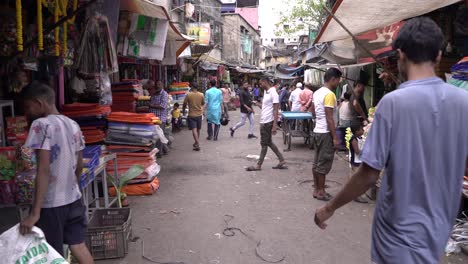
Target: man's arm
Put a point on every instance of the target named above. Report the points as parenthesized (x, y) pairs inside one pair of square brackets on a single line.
[(275, 118), (312, 107), (41, 186), (359, 183), (79, 166), (331, 125), (358, 109)]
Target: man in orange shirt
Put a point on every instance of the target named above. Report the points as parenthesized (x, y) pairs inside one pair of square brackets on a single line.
[(305, 97)]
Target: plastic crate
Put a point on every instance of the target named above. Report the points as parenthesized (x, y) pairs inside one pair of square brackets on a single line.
[(109, 231)]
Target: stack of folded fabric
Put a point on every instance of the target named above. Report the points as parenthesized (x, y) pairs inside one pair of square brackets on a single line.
[(91, 118), (460, 74), (143, 104), (125, 95), (178, 91), (133, 137)]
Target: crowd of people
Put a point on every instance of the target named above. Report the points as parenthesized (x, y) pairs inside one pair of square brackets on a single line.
[(418, 138)]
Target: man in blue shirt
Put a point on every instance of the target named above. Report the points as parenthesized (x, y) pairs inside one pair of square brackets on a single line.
[(419, 136)]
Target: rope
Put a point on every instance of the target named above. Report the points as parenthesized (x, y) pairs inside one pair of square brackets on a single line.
[(231, 231)]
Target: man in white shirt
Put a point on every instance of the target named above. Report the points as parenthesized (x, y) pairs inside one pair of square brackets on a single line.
[(268, 125), (325, 139), (295, 100)]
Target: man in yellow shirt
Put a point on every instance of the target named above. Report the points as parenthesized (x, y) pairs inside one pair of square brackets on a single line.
[(195, 102), (325, 139)]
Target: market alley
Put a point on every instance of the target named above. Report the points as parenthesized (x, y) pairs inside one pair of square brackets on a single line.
[(184, 221)]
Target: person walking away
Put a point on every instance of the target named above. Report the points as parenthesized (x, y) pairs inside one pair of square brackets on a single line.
[(356, 142), (345, 114), (226, 99), (214, 110), (420, 192), (305, 98), (345, 118), (256, 93), (57, 208), (247, 112), (176, 118), (283, 98), (294, 100), (158, 106), (268, 125), (195, 102), (325, 139), (359, 115)]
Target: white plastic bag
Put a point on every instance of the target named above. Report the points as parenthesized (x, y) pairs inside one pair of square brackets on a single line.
[(31, 248)]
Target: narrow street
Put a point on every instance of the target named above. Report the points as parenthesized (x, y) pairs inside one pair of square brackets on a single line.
[(184, 221)]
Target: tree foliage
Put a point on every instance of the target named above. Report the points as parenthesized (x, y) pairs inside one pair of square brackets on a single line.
[(303, 15)]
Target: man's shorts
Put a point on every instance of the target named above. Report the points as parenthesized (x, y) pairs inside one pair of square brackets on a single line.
[(324, 153), (266, 137), (194, 122), (64, 225)]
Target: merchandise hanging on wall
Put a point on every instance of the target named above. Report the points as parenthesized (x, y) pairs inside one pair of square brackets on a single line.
[(97, 51)]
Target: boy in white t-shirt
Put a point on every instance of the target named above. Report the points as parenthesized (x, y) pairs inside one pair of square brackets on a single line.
[(57, 207)]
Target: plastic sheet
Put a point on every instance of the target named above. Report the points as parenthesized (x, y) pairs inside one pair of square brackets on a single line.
[(97, 52)]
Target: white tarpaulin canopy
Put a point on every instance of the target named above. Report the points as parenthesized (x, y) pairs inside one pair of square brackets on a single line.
[(151, 9), (360, 16)]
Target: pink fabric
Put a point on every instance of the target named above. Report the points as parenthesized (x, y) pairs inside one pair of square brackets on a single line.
[(306, 100)]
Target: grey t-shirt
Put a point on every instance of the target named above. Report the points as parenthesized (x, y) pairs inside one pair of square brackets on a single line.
[(419, 136)]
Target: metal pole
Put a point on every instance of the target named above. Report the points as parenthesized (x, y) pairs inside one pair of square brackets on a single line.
[(362, 46)]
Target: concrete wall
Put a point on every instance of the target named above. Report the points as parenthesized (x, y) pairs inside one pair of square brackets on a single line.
[(232, 49), (231, 38)]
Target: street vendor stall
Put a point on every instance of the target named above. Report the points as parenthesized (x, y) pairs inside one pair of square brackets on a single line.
[(297, 124)]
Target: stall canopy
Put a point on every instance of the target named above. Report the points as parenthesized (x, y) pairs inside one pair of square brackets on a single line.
[(360, 16), (347, 52), (248, 71), (286, 72), (150, 9)]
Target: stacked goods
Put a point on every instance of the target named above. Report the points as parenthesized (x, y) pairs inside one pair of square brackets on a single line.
[(125, 95), (90, 117), (460, 74), (17, 130), (178, 91), (143, 104), (132, 138)]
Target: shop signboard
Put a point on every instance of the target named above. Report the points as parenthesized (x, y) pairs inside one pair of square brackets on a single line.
[(201, 32)]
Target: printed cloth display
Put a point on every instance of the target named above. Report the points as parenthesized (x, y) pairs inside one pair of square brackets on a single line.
[(17, 130)]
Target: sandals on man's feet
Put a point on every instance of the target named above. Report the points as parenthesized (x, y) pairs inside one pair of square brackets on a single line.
[(280, 167), (327, 197), (252, 168)]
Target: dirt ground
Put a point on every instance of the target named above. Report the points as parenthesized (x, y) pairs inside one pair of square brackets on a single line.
[(204, 192)]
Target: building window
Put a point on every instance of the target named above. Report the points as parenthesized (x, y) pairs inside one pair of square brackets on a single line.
[(285, 27)]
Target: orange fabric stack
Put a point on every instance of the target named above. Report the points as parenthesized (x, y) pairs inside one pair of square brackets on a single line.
[(134, 118), (125, 95), (90, 117)]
